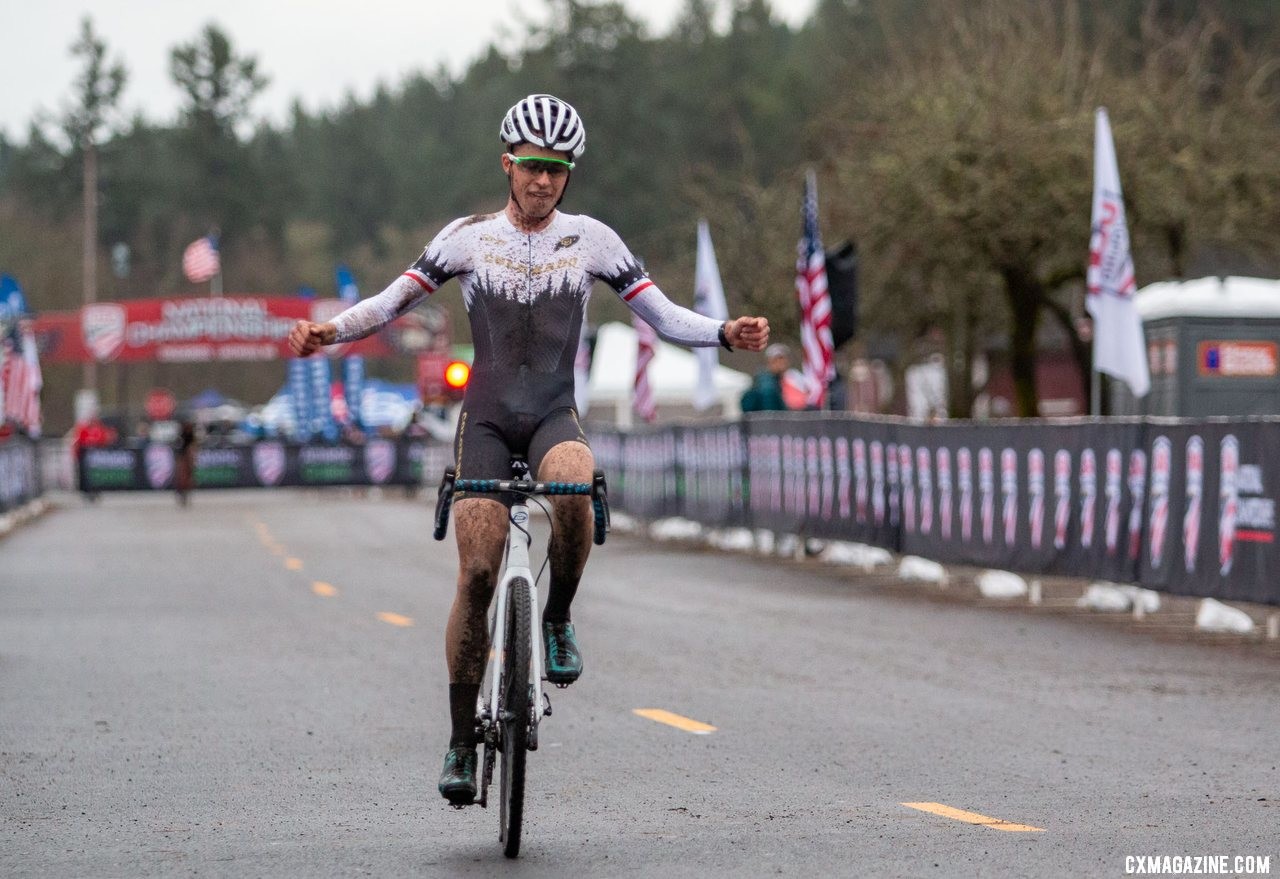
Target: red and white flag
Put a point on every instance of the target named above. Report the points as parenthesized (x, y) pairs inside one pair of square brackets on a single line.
[(815, 301), (1119, 346), (642, 402), (21, 382), (200, 261), (6, 353)]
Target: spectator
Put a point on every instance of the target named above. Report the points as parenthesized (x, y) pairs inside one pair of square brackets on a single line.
[(777, 387), (870, 386), (184, 470), (765, 393), (926, 385), (93, 433), (90, 433)]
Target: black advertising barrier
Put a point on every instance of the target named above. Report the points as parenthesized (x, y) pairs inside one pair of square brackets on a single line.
[(1210, 510), (1178, 506), (19, 473), (710, 478), (641, 467), (267, 464)]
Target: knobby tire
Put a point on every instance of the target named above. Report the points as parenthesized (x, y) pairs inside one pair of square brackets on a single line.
[(515, 715)]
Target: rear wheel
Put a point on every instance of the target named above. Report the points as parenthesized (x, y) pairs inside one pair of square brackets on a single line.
[(514, 714)]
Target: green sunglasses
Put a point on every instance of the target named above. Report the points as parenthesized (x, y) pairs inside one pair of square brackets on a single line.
[(538, 165)]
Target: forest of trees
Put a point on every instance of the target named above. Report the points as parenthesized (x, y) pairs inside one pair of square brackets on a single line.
[(952, 140)]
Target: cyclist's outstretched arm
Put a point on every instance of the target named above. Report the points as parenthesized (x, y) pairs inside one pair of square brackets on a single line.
[(617, 267), (368, 316), (680, 325), (364, 318)]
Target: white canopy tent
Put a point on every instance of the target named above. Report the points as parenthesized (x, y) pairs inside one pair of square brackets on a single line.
[(673, 375)]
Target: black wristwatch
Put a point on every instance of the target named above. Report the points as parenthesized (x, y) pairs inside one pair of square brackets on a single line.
[(724, 340)]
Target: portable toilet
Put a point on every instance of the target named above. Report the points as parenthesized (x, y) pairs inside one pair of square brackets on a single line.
[(1213, 346)]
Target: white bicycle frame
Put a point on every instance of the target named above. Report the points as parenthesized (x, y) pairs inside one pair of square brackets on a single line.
[(517, 565)]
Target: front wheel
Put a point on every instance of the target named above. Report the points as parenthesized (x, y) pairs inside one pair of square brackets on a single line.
[(513, 712)]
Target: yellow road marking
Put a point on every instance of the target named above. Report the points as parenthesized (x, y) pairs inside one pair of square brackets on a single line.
[(323, 589), (974, 818), (293, 564), (394, 619), (684, 723), (265, 538)]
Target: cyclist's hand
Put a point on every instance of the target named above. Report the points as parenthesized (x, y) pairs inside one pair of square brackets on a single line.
[(748, 333), (307, 337)]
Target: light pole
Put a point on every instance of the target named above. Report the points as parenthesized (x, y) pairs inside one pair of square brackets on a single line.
[(90, 377)]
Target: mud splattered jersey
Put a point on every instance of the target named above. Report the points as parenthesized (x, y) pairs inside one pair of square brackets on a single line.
[(526, 296)]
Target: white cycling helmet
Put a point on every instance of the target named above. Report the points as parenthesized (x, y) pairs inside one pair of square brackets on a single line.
[(545, 121)]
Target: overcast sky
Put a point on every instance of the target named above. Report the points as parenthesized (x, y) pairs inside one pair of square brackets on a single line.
[(316, 50)]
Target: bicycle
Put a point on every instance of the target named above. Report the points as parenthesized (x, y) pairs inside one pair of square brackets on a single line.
[(512, 701)]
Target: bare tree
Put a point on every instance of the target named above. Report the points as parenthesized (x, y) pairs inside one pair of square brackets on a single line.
[(97, 94), (968, 163), (220, 86), (1196, 127)]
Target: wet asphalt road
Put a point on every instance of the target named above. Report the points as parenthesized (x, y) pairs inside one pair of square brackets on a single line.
[(255, 686)]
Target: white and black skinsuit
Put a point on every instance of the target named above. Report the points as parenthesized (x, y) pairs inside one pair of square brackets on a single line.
[(526, 296)]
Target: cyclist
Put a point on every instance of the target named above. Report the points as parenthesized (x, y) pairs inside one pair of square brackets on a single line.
[(526, 273)]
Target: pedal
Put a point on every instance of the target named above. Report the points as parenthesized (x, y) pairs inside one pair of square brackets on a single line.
[(560, 686), (546, 704)]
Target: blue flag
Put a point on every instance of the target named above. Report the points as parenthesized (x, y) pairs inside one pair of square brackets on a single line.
[(13, 305), (299, 380), (347, 290), (300, 392), (353, 365), (322, 423)]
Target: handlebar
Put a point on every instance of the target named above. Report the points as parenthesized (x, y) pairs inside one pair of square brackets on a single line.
[(600, 503), (596, 489), (444, 500), (522, 486)]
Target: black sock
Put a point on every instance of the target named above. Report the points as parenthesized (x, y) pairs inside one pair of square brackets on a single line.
[(462, 711), (559, 597)]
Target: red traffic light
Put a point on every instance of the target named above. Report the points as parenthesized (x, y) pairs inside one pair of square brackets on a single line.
[(456, 375)]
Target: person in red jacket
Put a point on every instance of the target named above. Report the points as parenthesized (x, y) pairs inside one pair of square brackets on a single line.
[(87, 434)]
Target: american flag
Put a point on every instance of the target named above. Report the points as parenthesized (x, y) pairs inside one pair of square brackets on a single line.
[(21, 381), (200, 260), (642, 402), (815, 302)]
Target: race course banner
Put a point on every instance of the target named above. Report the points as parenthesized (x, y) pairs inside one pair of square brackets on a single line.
[(266, 464), (202, 330), (1177, 506)]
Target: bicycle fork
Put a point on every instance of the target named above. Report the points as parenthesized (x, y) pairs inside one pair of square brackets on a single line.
[(517, 567)]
